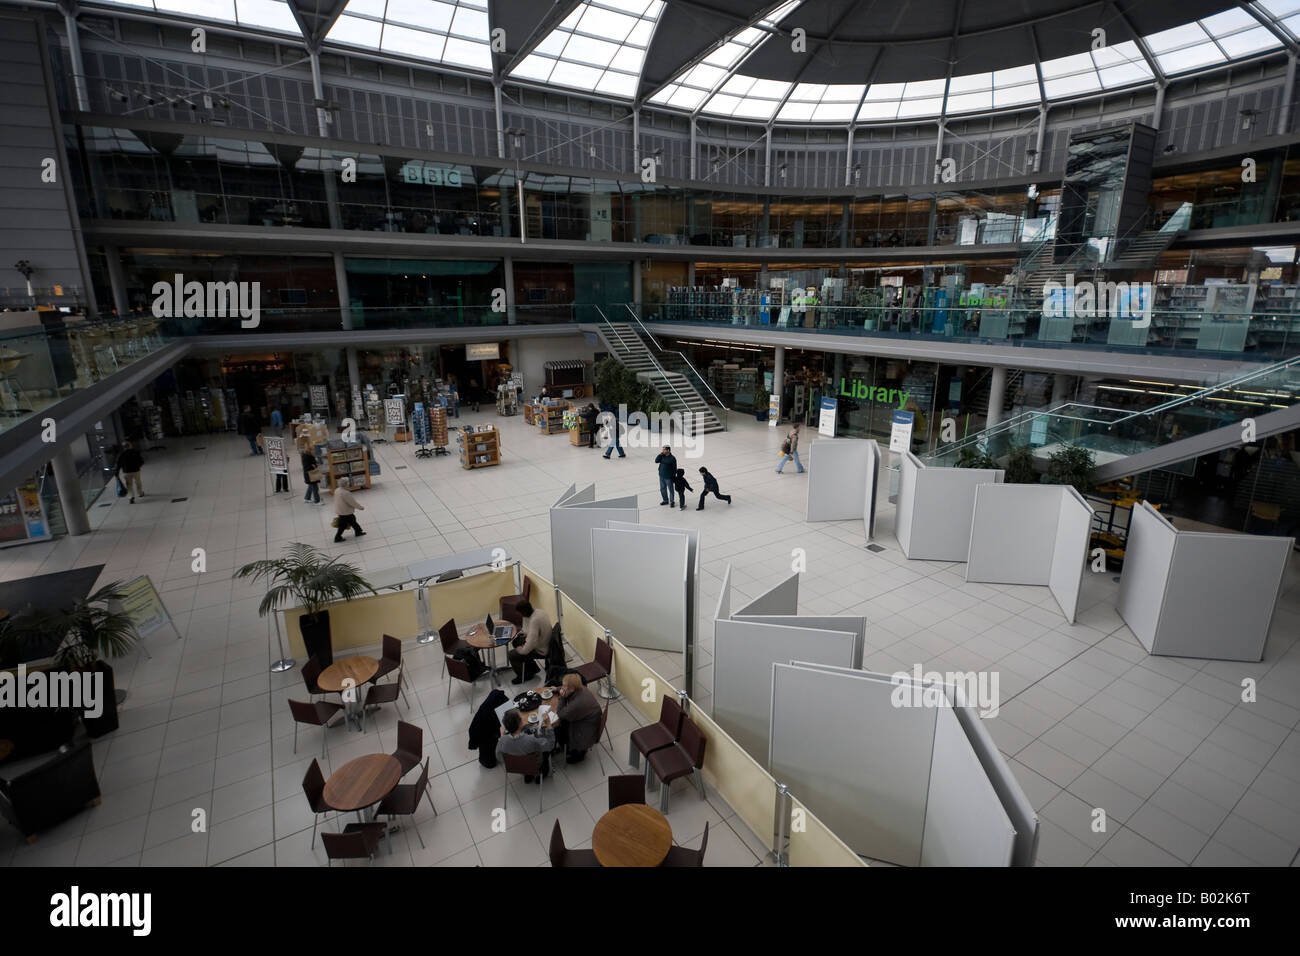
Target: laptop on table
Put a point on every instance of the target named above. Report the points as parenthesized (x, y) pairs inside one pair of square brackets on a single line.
[(501, 633)]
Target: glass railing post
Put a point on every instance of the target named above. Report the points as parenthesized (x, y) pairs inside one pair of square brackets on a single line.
[(780, 854)]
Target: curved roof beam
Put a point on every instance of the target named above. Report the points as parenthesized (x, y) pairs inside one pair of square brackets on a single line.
[(558, 13), (315, 18), (830, 38), (1284, 36), (1140, 42)]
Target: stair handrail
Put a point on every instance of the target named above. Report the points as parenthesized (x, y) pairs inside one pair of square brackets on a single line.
[(685, 361), (663, 373), (1244, 378)]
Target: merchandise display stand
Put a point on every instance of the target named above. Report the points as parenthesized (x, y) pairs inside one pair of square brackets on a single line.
[(478, 447), (550, 418), (579, 430), (507, 400), (438, 429), (375, 420), (349, 465), (531, 410), (420, 431)]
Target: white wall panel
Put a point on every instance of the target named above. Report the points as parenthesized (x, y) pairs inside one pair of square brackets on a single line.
[(1013, 533), (782, 599), (571, 566), (1148, 559), (640, 587), (837, 474), (965, 824), (1070, 554)]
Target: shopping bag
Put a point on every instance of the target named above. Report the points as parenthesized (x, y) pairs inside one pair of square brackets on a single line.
[(314, 475), (121, 489), (335, 522)]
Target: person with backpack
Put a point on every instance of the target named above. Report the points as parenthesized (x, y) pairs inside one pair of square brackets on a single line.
[(667, 463), (679, 482), (711, 488), (250, 428), (127, 470), (790, 449)]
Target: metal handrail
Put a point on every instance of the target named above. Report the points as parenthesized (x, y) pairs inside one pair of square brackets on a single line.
[(685, 361), (662, 371), (1059, 410)]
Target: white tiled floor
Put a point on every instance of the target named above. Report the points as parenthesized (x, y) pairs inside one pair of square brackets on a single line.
[(1186, 772)]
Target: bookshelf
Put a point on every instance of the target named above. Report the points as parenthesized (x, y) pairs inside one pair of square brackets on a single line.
[(478, 447), (349, 465), (550, 418)]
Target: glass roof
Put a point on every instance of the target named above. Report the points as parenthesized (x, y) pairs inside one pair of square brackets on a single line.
[(444, 31), (600, 47)]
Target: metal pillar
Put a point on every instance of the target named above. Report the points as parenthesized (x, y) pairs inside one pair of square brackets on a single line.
[(322, 127), (1160, 105), (778, 376), (636, 284), (1040, 138), (117, 281), (508, 275), (501, 129), (997, 395), (692, 152), (1288, 92), (74, 505), (69, 11), (848, 158), (1062, 385), (781, 826), (636, 141), (610, 692), (341, 282), (767, 157)]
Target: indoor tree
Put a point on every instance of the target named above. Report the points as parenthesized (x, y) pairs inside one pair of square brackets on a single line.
[(1071, 465)]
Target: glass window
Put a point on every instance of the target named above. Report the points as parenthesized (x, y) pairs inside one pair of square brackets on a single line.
[(604, 45)]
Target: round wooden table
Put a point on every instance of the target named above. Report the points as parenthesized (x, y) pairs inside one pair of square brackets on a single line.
[(359, 668), (632, 835), (480, 638), (363, 782)]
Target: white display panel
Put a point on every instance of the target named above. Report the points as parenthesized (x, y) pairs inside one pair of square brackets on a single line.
[(939, 506), (1014, 802), (869, 489), (782, 599), (640, 587), (857, 626), (965, 824), (1013, 533), (723, 609), (859, 763), (837, 471), (1148, 558), (1070, 555), (743, 655), (572, 519)]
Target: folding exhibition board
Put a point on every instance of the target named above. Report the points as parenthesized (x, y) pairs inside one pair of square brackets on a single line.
[(572, 518), (744, 651), (1199, 594), (869, 490), (1031, 534), (840, 471), (935, 506), (692, 589), (858, 762), (1014, 802), (641, 582), (782, 599)]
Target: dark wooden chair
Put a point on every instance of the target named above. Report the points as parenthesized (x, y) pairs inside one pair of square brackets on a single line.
[(358, 841), (313, 785), (600, 667), (510, 600), (390, 661), (310, 675), (410, 746), (563, 856), (405, 800), (657, 736), (684, 856), (451, 642), (626, 788), (529, 765), (317, 713), (382, 694), (459, 671), (683, 759)]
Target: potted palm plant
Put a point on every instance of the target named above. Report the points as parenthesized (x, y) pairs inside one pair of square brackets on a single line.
[(308, 578), (86, 632)]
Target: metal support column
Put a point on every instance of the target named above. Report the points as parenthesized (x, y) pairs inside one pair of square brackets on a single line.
[(778, 377), (70, 497), (781, 826), (1040, 138), (767, 156), (1159, 108), (997, 396), (1288, 94), (1062, 386), (610, 692), (508, 274), (69, 10), (501, 128), (117, 281), (848, 157)]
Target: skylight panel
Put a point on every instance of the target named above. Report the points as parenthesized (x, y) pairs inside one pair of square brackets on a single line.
[(440, 31), (1121, 65), (600, 46), (1280, 8)]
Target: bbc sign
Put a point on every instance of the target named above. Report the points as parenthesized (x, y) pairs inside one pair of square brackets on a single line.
[(430, 175)]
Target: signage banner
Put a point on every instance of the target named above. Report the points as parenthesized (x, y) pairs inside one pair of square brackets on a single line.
[(900, 433), (320, 397), (276, 460), (143, 605), (395, 412), (482, 351), (22, 515), (826, 423), (773, 410)]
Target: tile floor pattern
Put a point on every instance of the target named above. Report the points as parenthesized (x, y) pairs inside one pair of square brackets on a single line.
[(1187, 773)]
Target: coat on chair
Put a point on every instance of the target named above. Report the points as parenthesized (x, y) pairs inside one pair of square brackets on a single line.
[(485, 729)]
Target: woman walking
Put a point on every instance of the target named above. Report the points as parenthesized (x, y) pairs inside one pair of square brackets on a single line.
[(310, 472), (790, 449)]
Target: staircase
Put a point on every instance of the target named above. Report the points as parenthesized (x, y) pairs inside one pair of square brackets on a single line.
[(1144, 251), (626, 344)]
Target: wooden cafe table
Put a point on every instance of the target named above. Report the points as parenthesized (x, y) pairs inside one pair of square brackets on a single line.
[(632, 835), (363, 782), (479, 638), (334, 679)]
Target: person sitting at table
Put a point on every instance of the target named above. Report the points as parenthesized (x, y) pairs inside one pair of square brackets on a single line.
[(519, 744), (579, 715), (533, 641)]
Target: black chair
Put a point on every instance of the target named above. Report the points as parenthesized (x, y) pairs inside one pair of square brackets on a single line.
[(459, 670), (313, 785), (310, 675), (563, 856), (626, 788), (683, 759), (451, 642), (510, 600), (405, 800), (382, 694), (528, 765), (684, 856), (601, 666), (358, 841), (410, 746), (317, 713), (391, 660), (52, 792), (646, 740)]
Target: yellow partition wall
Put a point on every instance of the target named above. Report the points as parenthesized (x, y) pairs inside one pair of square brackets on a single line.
[(815, 845), (738, 778), (580, 629), (362, 622), (640, 686)]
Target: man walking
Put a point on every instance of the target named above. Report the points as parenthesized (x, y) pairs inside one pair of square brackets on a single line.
[(667, 463), (609, 425), (129, 463), (249, 427)]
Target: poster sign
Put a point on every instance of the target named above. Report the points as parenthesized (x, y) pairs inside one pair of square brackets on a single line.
[(22, 515), (320, 397), (143, 605), (484, 351), (826, 422), (276, 459), (900, 433), (395, 412), (773, 410)]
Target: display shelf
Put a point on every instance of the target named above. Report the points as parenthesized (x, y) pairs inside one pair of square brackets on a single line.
[(438, 429), (530, 412), (507, 401), (550, 418), (478, 447), (349, 465)]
